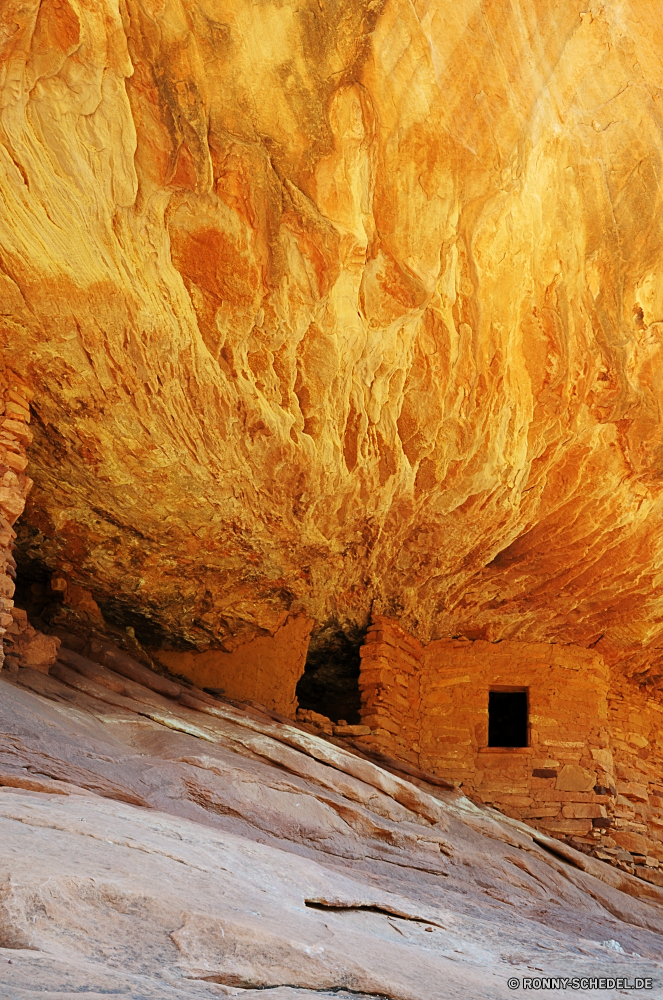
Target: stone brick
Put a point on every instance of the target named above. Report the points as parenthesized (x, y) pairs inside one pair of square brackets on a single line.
[(514, 800), (447, 682), (653, 875), (377, 649), (582, 810), (376, 671), (580, 827), (351, 730), (381, 722), (632, 790), (375, 635), (404, 658), (16, 427), (540, 812), (573, 778), (18, 463), (633, 842), (411, 647)]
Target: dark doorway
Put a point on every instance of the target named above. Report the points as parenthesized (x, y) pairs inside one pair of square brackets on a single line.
[(330, 682), (507, 719)]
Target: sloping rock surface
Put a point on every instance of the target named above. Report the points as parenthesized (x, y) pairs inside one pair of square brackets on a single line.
[(176, 845), (332, 306)]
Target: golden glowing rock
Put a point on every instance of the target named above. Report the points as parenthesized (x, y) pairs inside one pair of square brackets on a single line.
[(331, 307)]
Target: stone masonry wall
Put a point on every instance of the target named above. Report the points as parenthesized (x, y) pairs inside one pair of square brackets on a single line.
[(389, 683), (15, 436), (264, 670), (591, 773), (635, 720), (21, 645)]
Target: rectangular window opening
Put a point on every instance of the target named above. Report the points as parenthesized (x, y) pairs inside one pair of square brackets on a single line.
[(507, 718)]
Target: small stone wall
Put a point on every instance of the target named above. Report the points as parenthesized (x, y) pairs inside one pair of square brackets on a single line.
[(15, 436), (389, 684), (636, 738), (265, 670), (592, 770)]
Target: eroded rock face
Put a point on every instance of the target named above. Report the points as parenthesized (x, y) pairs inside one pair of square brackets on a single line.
[(331, 307)]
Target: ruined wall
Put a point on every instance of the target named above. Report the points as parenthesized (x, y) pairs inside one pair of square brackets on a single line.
[(635, 721), (592, 770), (21, 645), (265, 670), (389, 683), (15, 435)]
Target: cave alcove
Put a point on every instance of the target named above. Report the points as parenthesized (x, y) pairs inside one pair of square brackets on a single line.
[(330, 682)]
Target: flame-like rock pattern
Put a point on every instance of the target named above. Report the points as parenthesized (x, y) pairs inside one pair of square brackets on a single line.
[(340, 306)]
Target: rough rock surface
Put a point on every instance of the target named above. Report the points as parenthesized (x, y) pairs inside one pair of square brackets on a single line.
[(15, 435), (158, 846), (331, 306)]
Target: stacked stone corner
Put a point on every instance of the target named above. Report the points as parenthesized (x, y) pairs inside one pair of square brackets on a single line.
[(15, 436), (389, 689)]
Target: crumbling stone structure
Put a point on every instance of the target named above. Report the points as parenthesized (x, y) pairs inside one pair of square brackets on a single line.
[(264, 670), (15, 435), (586, 764), (21, 645), (590, 767)]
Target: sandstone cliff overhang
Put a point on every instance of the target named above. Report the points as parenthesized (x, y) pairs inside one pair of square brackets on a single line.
[(332, 309)]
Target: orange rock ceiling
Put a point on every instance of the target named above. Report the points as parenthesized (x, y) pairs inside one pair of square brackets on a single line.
[(331, 307)]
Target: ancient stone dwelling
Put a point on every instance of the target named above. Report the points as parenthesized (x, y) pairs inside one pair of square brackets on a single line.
[(544, 732), (331, 439)]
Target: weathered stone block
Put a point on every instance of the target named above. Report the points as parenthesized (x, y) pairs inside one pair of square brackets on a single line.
[(633, 842), (633, 790), (653, 875), (381, 722), (377, 635), (514, 800), (579, 827), (375, 649), (573, 778), (540, 812)]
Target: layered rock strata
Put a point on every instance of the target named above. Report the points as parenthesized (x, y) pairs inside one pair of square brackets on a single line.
[(591, 772), (332, 309), (158, 842)]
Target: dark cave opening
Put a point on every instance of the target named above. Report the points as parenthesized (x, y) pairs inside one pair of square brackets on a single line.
[(330, 682), (51, 612), (33, 592)]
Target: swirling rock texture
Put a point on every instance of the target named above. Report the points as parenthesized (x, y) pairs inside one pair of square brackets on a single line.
[(340, 307)]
